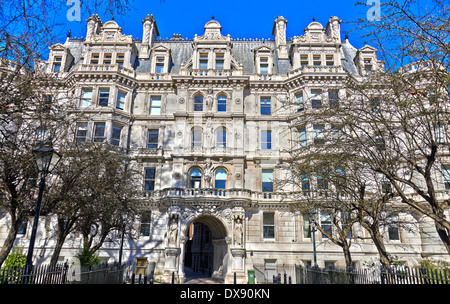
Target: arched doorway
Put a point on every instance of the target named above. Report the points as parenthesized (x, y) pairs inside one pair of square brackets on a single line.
[(205, 251)]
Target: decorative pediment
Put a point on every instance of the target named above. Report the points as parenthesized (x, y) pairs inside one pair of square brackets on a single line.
[(57, 47), (212, 32), (111, 32)]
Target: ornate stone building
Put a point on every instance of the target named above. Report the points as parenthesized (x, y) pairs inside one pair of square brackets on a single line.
[(208, 121)]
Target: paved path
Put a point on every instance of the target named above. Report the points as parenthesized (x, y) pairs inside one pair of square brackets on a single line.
[(199, 278)]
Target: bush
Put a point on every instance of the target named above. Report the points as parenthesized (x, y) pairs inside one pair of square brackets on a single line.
[(15, 259), (88, 257)]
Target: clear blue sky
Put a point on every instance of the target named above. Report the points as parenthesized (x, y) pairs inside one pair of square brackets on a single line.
[(239, 18)]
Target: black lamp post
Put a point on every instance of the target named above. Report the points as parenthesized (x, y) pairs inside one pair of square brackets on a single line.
[(46, 159), (313, 230)]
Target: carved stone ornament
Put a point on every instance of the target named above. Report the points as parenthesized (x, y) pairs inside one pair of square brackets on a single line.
[(177, 175), (181, 100), (238, 252), (172, 251), (238, 101), (238, 175)]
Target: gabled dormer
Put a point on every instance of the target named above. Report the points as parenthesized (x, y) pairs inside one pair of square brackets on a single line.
[(59, 59), (160, 59), (264, 60), (366, 60)]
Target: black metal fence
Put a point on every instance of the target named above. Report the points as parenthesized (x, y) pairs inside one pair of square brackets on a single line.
[(393, 275), (63, 274)]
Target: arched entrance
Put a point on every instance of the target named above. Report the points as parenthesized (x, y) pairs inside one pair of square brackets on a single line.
[(205, 250)]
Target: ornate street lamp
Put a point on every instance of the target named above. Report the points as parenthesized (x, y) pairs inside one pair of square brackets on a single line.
[(46, 159)]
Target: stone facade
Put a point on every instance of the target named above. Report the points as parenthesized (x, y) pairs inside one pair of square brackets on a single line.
[(210, 118)]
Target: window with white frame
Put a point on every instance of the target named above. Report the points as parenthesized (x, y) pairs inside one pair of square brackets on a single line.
[(120, 103), (265, 106), (103, 97), (120, 58), (198, 103), (319, 134), (263, 65), (268, 225), (86, 97), (152, 139), (145, 223), (95, 57), (306, 186), (220, 61), (221, 103), (155, 105), (302, 141), (196, 137), (393, 228), (107, 57), (304, 60), (267, 180), (99, 132), (220, 180), (221, 137), (299, 101), (195, 178), (316, 99), (325, 223), (317, 61), (266, 139), (160, 65), (115, 135), (329, 60), (57, 64), (333, 98), (149, 179), (446, 175), (203, 63), (81, 132)]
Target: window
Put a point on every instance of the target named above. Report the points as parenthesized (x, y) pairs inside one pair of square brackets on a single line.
[(103, 97), (305, 182), (385, 184), (219, 61), (393, 231), (325, 223), (141, 266), (196, 137), (316, 100), (99, 132), (316, 60), (329, 60), (268, 225), (380, 143), (345, 222), (265, 106), (152, 140), (322, 182), (81, 133), (159, 65), (145, 224), (299, 101), (94, 58), (439, 132), (195, 178), (375, 103), (120, 59), (266, 140), (221, 104), (23, 228), (120, 104), (263, 65), (203, 61), (302, 137), (149, 179), (306, 225), (155, 105), (318, 134), (57, 64), (115, 135), (220, 179), (267, 180), (107, 58), (198, 103), (304, 60), (86, 97), (333, 98), (446, 174), (221, 137)]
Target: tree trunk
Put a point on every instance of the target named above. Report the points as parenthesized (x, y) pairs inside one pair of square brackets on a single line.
[(9, 241), (444, 234), (377, 239)]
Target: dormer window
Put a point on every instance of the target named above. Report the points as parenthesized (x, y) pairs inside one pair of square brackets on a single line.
[(329, 60), (304, 60), (219, 61), (57, 64), (203, 61), (263, 65), (159, 65)]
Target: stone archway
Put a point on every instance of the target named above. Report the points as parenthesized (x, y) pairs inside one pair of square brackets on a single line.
[(213, 246)]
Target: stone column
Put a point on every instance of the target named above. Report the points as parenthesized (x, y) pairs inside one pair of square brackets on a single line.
[(171, 264), (237, 266)]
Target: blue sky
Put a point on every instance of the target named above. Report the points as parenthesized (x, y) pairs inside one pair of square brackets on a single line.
[(239, 18)]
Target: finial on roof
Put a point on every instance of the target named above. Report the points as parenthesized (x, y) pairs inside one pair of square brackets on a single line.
[(212, 17)]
